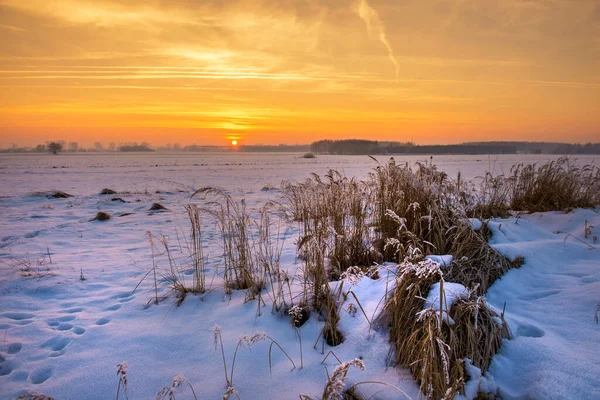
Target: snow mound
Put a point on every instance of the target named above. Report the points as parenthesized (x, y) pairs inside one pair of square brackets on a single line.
[(452, 292)]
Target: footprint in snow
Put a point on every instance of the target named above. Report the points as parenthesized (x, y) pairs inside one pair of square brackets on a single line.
[(113, 307), (6, 367), (17, 316), (103, 321), (530, 331), (588, 279), (124, 297), (64, 326), (57, 343), (78, 330), (14, 348), (19, 376), (73, 310), (30, 235), (40, 375)]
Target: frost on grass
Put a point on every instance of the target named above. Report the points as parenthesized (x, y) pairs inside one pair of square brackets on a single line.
[(122, 373), (334, 387), (444, 260)]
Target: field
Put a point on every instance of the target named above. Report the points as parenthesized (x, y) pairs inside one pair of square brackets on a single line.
[(79, 294)]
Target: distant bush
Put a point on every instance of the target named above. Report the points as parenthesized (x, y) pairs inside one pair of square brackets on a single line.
[(54, 147), (308, 155)]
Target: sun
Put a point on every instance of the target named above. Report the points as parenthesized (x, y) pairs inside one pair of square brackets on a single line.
[(234, 142)]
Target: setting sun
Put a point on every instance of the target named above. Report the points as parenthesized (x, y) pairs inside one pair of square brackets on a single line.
[(234, 143), (298, 71)]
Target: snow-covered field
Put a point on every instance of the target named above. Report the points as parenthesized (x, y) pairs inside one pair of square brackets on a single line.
[(63, 336)]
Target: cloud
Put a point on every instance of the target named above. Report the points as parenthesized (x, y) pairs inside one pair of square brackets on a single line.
[(376, 27)]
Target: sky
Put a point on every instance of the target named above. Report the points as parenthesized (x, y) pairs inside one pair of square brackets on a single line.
[(295, 71)]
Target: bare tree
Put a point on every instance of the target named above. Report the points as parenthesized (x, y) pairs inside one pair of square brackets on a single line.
[(54, 147)]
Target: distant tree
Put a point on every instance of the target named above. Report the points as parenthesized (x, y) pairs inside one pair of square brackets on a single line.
[(98, 146), (112, 146), (73, 147), (40, 148), (54, 147)]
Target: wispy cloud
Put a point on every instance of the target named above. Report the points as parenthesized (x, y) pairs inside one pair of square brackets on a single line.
[(375, 26), (12, 28), (299, 65)]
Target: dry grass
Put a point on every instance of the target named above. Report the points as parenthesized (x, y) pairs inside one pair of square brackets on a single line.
[(196, 250), (429, 346), (334, 212), (233, 221), (555, 186), (106, 191), (492, 198), (478, 331), (157, 207), (101, 216), (398, 213), (334, 386), (413, 207), (475, 262), (29, 268), (34, 396)]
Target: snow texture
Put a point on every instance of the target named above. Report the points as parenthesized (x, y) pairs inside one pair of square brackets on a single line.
[(85, 305)]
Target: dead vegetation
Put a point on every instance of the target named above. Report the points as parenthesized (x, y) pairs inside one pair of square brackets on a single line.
[(101, 216), (157, 207), (433, 345), (106, 191), (557, 185), (32, 267), (53, 194), (399, 214)]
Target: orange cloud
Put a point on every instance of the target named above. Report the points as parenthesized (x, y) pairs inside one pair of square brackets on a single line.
[(297, 71)]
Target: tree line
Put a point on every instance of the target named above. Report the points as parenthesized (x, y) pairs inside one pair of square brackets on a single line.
[(363, 147)]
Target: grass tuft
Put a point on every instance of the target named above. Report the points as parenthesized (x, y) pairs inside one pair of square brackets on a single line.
[(555, 186), (102, 216)]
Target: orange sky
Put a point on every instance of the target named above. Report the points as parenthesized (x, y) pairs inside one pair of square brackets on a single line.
[(294, 71)]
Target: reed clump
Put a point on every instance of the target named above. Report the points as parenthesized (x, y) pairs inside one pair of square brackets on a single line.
[(413, 207), (432, 345), (475, 263), (554, 186), (491, 199), (333, 210)]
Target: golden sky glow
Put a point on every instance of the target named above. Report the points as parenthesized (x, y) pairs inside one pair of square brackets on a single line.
[(294, 71)]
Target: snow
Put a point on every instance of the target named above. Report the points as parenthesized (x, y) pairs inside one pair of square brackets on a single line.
[(64, 336), (477, 382), (550, 303), (452, 292), (476, 223), (443, 261)]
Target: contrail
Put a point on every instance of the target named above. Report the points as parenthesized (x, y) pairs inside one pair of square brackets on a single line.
[(376, 26)]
